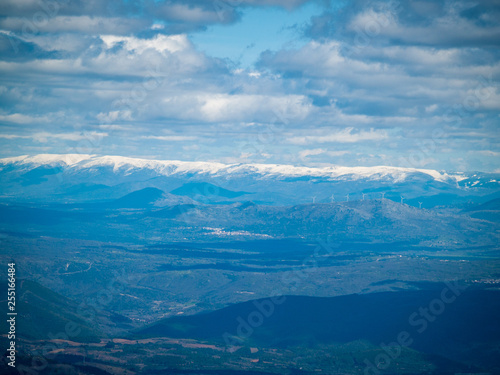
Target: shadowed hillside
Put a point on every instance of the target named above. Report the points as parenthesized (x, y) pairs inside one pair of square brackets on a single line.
[(44, 314), (453, 330)]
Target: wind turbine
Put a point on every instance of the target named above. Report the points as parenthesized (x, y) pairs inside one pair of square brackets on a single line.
[(419, 204), (363, 196), (332, 198), (383, 194), (402, 199), (314, 200), (347, 198)]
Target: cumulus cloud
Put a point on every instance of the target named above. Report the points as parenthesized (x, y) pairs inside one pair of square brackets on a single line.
[(120, 17), (73, 24), (43, 137), (19, 118), (173, 138), (320, 151), (13, 136), (354, 67), (111, 55), (448, 23), (160, 43), (364, 74), (225, 107), (340, 136)]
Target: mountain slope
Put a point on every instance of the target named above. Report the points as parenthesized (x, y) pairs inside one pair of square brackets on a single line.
[(379, 221), (203, 191), (456, 330), (139, 199), (489, 211), (44, 314), (178, 167), (57, 177)]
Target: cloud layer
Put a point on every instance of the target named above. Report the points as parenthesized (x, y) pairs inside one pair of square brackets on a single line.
[(411, 83)]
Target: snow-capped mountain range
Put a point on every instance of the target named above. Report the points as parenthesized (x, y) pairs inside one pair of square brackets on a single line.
[(172, 167), (90, 177)]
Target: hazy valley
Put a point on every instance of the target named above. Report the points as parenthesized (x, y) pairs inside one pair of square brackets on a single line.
[(158, 267)]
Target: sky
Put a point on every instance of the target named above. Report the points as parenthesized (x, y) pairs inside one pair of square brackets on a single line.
[(313, 83)]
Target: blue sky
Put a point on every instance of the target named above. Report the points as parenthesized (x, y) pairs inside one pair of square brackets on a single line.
[(260, 29), (401, 83)]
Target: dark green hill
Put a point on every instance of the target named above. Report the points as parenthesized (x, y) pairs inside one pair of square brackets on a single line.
[(138, 199), (203, 191), (84, 188), (43, 314), (470, 322), (489, 210), (38, 175), (491, 205)]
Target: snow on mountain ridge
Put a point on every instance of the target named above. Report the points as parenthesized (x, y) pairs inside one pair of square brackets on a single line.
[(48, 159), (170, 167)]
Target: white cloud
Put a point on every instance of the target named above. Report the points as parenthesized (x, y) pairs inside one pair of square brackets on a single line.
[(289, 4), (81, 24), (43, 137), (431, 108), (116, 127), (445, 30), (13, 136), (488, 153), (102, 74), (341, 136), (19, 118), (320, 151), (191, 147), (152, 59), (160, 43), (305, 153), (113, 116), (238, 107), (190, 14), (173, 138)]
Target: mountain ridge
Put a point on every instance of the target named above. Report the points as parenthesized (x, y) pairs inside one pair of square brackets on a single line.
[(80, 161), (71, 177)]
